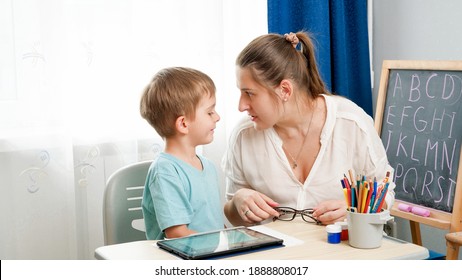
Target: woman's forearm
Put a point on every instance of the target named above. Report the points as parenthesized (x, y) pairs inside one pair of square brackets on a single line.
[(232, 215)]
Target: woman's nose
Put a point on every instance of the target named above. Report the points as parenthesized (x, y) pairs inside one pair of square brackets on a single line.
[(243, 104)]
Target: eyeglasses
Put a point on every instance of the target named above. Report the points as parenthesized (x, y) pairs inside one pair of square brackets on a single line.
[(289, 213)]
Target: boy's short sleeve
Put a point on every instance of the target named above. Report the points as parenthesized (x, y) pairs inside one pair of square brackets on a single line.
[(170, 201)]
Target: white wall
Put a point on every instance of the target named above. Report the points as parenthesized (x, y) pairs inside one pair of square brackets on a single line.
[(416, 30)]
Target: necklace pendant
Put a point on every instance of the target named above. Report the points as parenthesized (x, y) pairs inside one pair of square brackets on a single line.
[(294, 165)]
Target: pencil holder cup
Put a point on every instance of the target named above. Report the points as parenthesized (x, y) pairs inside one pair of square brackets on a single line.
[(365, 230)]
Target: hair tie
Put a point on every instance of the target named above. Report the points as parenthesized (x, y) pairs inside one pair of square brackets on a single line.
[(292, 38)]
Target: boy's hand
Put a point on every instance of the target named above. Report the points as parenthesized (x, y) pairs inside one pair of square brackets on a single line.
[(178, 231)]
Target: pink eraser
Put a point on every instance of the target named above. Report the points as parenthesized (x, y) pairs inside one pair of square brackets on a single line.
[(404, 207), (420, 211)]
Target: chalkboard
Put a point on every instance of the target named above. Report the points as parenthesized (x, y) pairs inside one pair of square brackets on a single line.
[(421, 132), (419, 119)]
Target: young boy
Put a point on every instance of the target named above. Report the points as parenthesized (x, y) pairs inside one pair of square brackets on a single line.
[(181, 194)]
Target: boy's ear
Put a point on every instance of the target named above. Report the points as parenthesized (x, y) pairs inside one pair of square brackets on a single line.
[(181, 124)]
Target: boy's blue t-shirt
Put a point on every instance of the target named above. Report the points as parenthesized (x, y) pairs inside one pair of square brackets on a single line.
[(176, 193)]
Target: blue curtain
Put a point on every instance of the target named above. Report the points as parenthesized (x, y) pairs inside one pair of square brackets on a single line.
[(339, 29)]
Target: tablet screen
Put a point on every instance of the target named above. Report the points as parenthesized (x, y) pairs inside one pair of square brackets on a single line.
[(205, 245)]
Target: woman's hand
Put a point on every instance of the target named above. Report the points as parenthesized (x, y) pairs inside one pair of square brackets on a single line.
[(250, 207), (330, 211)]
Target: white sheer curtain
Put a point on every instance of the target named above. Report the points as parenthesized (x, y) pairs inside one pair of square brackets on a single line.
[(71, 74)]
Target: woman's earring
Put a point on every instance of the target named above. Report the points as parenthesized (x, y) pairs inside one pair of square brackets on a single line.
[(285, 99)]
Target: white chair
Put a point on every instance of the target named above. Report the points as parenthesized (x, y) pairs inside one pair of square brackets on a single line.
[(122, 214)]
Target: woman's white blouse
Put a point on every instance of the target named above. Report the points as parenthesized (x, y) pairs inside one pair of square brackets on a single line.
[(255, 159)]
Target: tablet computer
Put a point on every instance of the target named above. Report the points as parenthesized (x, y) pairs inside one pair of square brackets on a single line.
[(217, 243)]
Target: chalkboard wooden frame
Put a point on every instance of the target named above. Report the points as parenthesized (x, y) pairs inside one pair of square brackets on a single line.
[(439, 219)]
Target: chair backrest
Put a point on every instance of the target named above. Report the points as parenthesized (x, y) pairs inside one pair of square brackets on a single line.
[(122, 214)]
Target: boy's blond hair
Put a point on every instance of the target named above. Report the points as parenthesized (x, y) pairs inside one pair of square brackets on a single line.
[(174, 92)]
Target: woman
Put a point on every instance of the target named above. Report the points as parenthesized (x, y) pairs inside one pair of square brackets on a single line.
[(299, 141)]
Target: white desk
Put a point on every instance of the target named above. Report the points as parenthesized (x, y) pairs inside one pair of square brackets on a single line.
[(304, 241)]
